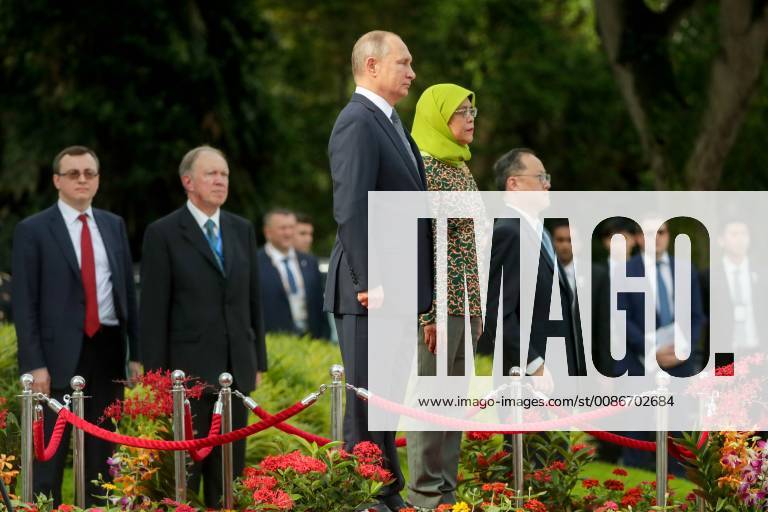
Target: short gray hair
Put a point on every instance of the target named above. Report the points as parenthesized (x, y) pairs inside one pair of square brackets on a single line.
[(185, 167), (372, 44), (510, 164)]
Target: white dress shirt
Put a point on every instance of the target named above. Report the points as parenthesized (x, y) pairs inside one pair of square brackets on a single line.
[(297, 301), (377, 100), (201, 218), (664, 267), (106, 303)]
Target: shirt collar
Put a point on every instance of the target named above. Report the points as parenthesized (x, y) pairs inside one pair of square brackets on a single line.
[(730, 267), (276, 255), (200, 217), (70, 214), (534, 222), (377, 100), (663, 259)]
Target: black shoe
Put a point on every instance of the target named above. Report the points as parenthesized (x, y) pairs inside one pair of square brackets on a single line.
[(394, 502)]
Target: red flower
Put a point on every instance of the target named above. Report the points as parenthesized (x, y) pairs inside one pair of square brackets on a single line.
[(367, 453), (614, 485), (496, 487), (589, 483), (274, 497), (578, 447), (479, 436), (497, 456), (620, 472), (535, 505), (295, 460), (374, 472), (558, 465), (630, 500), (541, 475)]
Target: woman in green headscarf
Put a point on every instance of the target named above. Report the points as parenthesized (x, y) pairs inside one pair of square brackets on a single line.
[(443, 128)]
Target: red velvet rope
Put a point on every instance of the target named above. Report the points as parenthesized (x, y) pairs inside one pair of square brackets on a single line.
[(194, 444), (44, 453), (201, 454), (676, 450)]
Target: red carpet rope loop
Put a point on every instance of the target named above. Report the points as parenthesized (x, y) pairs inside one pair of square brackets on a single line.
[(200, 455), (44, 453)]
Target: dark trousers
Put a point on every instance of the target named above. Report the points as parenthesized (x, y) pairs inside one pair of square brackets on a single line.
[(353, 341), (210, 468), (101, 364)]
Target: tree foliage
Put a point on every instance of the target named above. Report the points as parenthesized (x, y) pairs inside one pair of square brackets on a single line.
[(142, 82)]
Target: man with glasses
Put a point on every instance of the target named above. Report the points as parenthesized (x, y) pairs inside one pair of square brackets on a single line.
[(74, 307), (518, 172)]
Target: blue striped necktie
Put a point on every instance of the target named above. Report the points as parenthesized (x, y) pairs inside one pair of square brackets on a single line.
[(214, 242)]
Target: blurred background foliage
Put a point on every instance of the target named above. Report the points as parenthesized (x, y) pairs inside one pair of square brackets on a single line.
[(141, 82)]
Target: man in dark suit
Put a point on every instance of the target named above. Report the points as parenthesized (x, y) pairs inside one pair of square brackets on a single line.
[(74, 307), (290, 281), (520, 170), (369, 150), (735, 283), (200, 310), (633, 303)]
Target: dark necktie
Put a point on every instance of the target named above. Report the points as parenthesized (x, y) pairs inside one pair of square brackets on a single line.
[(291, 279), (88, 274), (399, 129), (548, 247), (215, 243), (665, 309)]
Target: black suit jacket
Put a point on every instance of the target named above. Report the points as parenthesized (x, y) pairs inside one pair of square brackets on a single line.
[(366, 154), (633, 303), (505, 264), (48, 296), (277, 310), (193, 317)]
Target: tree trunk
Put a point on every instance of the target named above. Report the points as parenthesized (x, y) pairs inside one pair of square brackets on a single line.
[(734, 78), (611, 25)]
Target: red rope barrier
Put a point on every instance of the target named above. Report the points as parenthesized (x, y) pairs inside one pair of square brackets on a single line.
[(201, 454), (290, 429), (44, 453), (158, 444)]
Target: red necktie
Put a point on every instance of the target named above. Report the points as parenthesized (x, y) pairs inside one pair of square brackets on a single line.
[(88, 273)]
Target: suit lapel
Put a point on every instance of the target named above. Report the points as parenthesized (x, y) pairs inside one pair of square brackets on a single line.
[(227, 234), (61, 235), (194, 235), (389, 129), (109, 242)]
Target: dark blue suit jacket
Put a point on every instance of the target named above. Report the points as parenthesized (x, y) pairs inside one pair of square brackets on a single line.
[(274, 300), (48, 297), (633, 304), (367, 154)]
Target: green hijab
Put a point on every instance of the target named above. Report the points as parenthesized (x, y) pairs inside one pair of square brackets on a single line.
[(430, 124)]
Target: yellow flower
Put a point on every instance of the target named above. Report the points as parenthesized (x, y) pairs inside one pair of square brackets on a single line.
[(108, 486), (460, 507)]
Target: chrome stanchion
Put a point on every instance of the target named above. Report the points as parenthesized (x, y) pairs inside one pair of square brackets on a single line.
[(662, 461), (227, 471), (337, 393), (179, 456), (27, 410), (517, 439), (78, 456)]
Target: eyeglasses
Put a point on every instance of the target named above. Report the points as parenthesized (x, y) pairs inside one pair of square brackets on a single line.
[(543, 178), (467, 112), (74, 174)]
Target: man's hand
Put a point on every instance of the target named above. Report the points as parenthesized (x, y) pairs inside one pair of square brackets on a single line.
[(258, 379), (666, 358), (42, 383), (134, 372), (543, 381), (371, 299), (430, 337)]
